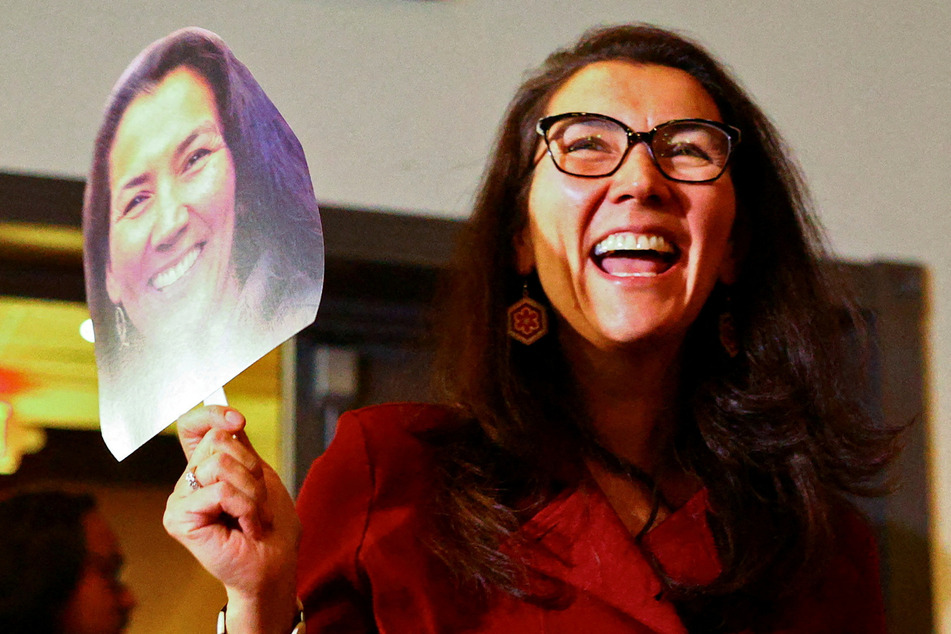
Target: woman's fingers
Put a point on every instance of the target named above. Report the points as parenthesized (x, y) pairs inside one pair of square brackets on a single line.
[(193, 426), (222, 492), (225, 468), (221, 458), (220, 441), (230, 508), (235, 503), (224, 482), (219, 525)]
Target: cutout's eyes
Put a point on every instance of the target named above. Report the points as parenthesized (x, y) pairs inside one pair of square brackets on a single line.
[(136, 201), (195, 158)]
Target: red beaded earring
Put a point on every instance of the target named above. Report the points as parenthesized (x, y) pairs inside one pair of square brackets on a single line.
[(527, 319)]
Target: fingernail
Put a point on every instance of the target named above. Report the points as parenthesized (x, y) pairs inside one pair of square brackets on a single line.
[(234, 417)]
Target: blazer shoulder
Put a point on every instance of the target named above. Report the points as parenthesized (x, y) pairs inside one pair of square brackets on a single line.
[(393, 419)]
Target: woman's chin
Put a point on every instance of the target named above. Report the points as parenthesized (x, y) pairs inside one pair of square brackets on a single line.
[(182, 329), (634, 336)]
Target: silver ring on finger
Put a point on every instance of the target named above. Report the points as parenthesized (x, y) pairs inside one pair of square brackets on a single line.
[(192, 481)]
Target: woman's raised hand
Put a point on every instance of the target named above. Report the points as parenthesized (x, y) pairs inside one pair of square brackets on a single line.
[(231, 511)]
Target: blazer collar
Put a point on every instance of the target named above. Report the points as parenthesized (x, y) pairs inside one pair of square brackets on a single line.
[(579, 543)]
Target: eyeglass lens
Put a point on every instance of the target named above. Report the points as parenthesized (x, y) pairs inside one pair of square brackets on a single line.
[(683, 150)]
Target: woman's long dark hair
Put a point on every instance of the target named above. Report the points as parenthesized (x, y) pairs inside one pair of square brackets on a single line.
[(776, 434), (271, 176)]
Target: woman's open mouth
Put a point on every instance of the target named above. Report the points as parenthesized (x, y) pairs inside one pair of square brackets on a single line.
[(628, 254), (173, 273)]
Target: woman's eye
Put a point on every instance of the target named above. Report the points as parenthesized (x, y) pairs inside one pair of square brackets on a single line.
[(591, 143), (136, 201), (688, 150), (195, 157)]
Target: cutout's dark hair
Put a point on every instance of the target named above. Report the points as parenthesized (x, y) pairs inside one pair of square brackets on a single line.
[(776, 435)]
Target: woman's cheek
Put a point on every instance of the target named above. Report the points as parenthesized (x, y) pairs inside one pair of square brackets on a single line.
[(200, 187), (217, 185), (126, 245)]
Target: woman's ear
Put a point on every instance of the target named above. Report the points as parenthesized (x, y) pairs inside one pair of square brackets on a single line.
[(112, 287), (524, 252), (729, 265), (737, 249)]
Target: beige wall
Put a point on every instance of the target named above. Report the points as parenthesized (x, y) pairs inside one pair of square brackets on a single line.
[(395, 102)]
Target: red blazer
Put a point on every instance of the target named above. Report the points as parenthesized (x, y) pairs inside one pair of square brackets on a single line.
[(364, 566)]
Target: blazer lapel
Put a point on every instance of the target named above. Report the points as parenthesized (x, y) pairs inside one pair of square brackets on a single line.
[(579, 541)]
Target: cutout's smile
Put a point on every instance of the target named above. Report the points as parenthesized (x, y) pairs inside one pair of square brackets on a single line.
[(176, 271)]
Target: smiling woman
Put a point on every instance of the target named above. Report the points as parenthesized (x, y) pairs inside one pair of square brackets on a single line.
[(203, 244), (672, 450), (173, 208)]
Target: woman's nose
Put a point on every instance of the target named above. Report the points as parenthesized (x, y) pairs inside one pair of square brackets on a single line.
[(171, 219), (639, 178)]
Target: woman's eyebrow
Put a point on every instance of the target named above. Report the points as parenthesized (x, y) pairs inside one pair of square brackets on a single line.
[(132, 183), (202, 128)]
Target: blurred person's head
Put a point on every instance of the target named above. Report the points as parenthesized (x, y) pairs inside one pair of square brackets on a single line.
[(60, 566)]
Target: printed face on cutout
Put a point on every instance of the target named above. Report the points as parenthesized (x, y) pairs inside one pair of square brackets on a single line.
[(172, 211), (584, 235)]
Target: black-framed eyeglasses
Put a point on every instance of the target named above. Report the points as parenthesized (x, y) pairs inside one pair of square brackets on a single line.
[(594, 145)]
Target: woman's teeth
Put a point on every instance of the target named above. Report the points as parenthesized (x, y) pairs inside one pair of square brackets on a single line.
[(174, 273), (630, 254), (633, 242)]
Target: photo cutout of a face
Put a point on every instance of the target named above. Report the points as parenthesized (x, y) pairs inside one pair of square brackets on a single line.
[(203, 242)]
